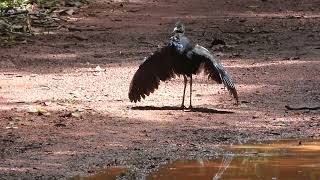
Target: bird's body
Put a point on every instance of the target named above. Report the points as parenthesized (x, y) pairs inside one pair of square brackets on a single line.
[(182, 59), (180, 56)]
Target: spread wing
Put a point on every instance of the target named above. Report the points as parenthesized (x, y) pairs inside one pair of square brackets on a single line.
[(156, 68), (214, 69)]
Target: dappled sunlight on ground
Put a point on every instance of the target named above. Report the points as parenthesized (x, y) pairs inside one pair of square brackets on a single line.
[(64, 107)]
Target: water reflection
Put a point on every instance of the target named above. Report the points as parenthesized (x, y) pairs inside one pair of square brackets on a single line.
[(276, 160), (292, 160)]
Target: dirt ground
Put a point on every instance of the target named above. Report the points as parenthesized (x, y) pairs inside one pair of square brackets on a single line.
[(61, 116)]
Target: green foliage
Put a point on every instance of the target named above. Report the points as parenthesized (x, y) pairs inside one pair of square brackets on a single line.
[(4, 4), (9, 4)]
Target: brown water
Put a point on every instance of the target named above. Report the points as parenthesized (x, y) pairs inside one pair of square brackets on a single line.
[(277, 160)]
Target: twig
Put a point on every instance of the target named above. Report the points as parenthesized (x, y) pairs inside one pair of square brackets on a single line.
[(88, 29), (302, 108)]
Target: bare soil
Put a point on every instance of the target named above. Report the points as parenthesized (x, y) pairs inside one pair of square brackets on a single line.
[(61, 116)]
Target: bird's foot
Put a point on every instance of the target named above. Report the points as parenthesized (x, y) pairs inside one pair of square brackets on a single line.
[(188, 109), (182, 107)]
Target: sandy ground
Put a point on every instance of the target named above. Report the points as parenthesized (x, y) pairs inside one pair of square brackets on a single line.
[(61, 116)]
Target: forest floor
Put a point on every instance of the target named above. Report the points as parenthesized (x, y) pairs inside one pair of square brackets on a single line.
[(61, 115)]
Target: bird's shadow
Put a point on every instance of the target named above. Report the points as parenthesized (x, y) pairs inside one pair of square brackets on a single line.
[(194, 109)]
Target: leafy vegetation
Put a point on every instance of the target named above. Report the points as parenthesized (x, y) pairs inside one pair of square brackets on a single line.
[(22, 18), (7, 4)]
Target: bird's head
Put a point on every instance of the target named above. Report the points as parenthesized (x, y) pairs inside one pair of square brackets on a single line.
[(179, 28)]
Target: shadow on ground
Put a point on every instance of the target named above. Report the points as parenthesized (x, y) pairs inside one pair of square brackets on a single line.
[(194, 109)]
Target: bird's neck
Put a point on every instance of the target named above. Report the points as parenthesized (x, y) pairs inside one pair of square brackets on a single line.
[(179, 34)]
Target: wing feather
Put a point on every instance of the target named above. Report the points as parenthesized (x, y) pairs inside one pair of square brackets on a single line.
[(214, 69), (156, 68)]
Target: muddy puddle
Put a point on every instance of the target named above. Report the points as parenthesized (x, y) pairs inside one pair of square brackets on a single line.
[(286, 159), (109, 173)]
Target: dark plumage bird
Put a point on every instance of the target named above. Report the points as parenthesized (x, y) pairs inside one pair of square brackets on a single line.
[(180, 56)]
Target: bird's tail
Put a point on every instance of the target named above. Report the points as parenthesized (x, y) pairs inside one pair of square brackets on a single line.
[(228, 82)]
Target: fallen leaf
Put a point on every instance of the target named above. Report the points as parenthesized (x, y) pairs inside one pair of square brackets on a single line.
[(43, 112), (99, 69), (76, 114), (39, 111)]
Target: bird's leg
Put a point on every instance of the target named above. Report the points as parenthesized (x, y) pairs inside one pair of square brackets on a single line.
[(184, 90), (190, 107)]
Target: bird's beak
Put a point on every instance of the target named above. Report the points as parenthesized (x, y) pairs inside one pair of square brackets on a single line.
[(175, 29)]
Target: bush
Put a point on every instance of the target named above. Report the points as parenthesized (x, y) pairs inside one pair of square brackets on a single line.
[(7, 4), (10, 4)]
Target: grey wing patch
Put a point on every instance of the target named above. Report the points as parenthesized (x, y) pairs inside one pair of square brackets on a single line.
[(215, 70)]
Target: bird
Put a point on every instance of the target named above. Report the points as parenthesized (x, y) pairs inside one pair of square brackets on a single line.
[(180, 56)]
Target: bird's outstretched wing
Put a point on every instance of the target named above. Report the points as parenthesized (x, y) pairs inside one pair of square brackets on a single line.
[(214, 69), (156, 68)]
